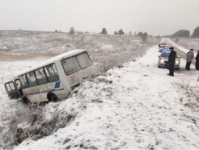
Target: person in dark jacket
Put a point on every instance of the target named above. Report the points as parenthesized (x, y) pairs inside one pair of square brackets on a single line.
[(172, 57), (197, 61)]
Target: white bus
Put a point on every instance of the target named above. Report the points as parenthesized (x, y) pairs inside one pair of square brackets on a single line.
[(53, 79)]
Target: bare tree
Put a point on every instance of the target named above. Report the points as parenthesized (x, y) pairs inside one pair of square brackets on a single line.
[(72, 31)]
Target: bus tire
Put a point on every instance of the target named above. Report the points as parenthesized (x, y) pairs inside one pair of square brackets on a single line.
[(52, 98), (25, 100)]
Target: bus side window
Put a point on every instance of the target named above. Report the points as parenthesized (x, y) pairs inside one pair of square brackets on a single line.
[(23, 81), (31, 78), (51, 72), (84, 60), (40, 75)]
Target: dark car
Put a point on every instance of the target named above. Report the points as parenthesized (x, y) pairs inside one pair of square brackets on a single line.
[(163, 60)]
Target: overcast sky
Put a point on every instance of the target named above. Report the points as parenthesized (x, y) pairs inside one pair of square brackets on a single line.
[(156, 17)]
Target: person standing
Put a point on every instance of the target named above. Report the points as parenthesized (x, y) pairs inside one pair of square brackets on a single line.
[(172, 57), (197, 61), (190, 56)]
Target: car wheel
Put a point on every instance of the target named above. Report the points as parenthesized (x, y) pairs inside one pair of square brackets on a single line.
[(159, 66)]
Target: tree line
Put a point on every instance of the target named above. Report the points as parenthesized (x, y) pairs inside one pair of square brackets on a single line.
[(185, 34), (143, 35)]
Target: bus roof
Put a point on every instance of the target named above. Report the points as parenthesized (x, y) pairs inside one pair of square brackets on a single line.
[(51, 60)]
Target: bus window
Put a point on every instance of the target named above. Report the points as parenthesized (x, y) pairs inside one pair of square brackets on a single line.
[(51, 72), (23, 81), (8, 87), (40, 75), (84, 60), (12, 86), (31, 78), (70, 65)]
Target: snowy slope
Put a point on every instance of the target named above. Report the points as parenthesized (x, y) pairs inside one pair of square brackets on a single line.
[(137, 106)]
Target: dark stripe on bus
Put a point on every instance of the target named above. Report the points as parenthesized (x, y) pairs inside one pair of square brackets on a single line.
[(44, 91)]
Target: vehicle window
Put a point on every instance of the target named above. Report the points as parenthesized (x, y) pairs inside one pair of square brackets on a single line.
[(31, 78), (52, 73), (8, 87), (83, 60), (18, 83), (70, 65), (23, 81), (40, 75), (12, 86), (167, 55)]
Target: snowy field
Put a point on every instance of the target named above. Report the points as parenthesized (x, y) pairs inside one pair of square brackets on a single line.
[(21, 49), (134, 107)]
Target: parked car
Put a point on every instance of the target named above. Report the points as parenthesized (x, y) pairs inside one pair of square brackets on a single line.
[(163, 60), (161, 46)]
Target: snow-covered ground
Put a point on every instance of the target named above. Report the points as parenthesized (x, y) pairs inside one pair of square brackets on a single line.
[(21, 49), (186, 48), (133, 107)]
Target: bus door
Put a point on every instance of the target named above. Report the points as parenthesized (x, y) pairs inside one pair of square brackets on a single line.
[(12, 91)]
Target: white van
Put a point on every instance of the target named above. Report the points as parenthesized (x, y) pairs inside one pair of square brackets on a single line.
[(53, 79)]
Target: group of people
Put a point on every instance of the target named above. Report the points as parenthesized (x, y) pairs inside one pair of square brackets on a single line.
[(190, 56)]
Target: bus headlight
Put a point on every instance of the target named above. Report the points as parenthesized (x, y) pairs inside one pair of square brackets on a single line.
[(177, 61), (162, 61)]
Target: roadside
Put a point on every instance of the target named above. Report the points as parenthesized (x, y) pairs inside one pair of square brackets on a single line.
[(181, 51), (137, 106)]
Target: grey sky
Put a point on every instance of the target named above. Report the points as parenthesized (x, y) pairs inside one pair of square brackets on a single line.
[(157, 17)]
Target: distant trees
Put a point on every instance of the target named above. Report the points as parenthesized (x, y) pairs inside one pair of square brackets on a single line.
[(143, 35), (104, 31), (121, 32), (195, 32), (115, 33), (72, 31), (181, 33), (139, 34)]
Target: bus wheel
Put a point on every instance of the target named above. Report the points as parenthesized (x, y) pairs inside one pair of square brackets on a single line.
[(26, 100), (53, 98)]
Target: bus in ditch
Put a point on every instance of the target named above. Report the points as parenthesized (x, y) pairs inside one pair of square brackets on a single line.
[(53, 79)]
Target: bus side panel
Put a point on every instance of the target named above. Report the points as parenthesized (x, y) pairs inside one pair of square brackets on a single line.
[(39, 93), (35, 98), (36, 93), (77, 77), (61, 94), (64, 81)]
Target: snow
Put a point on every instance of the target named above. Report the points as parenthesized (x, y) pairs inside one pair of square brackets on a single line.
[(133, 107)]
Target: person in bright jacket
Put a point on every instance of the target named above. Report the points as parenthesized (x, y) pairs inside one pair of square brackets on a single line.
[(190, 56), (172, 57), (197, 61)]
